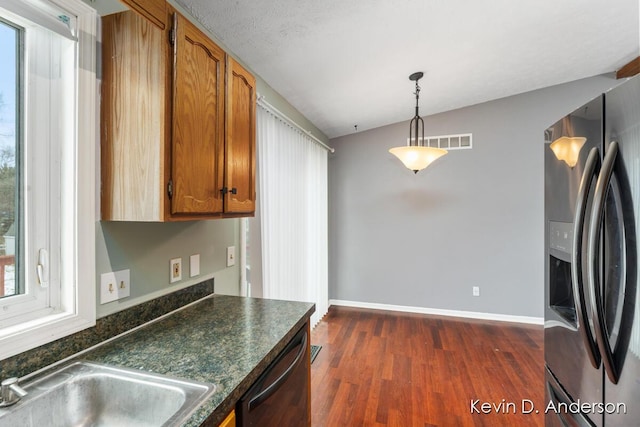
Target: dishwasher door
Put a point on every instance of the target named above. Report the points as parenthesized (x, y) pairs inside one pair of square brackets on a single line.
[(280, 396)]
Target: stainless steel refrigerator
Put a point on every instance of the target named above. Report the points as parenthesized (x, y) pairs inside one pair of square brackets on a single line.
[(592, 307)]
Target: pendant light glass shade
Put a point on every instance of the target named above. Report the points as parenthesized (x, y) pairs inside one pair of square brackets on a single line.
[(567, 147), (416, 156)]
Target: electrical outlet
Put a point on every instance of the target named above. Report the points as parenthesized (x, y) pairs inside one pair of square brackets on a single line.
[(231, 256), (114, 286), (194, 265), (476, 291), (175, 270)]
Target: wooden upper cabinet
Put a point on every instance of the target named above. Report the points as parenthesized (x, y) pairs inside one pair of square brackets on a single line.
[(133, 118), (240, 140), (197, 166), (177, 124), (154, 10)]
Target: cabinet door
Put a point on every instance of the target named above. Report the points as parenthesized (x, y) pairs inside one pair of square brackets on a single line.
[(240, 148), (230, 421), (134, 55), (198, 122)]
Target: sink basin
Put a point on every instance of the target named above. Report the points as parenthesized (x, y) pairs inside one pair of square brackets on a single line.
[(92, 394)]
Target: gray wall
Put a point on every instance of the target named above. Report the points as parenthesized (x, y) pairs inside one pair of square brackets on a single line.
[(146, 248), (473, 218)]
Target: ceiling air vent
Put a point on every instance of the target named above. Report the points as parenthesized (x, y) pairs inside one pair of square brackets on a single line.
[(461, 141)]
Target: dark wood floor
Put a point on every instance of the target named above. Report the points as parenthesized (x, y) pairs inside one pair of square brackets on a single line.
[(382, 368)]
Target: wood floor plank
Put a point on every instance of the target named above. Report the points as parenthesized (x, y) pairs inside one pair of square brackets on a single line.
[(382, 368)]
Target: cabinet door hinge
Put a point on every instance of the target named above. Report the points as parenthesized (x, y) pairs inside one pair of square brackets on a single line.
[(170, 188), (172, 31)]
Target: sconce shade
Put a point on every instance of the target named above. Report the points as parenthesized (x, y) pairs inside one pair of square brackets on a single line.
[(567, 146), (568, 149), (417, 158)]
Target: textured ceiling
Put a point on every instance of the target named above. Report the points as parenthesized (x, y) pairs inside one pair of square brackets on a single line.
[(347, 62)]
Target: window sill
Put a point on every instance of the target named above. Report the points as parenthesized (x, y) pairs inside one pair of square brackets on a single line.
[(26, 336)]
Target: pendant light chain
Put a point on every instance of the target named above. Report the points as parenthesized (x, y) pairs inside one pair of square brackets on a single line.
[(417, 122), (417, 94)]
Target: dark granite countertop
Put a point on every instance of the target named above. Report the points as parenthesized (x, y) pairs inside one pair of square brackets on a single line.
[(224, 340)]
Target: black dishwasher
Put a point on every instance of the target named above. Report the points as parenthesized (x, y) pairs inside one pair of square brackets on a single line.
[(280, 396)]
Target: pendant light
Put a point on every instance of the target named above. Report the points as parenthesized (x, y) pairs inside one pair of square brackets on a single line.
[(567, 147), (416, 156)]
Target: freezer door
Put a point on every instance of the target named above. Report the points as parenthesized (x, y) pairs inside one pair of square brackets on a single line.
[(620, 298), (568, 332)]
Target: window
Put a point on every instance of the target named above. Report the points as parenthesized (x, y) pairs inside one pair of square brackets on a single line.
[(48, 134), (10, 42)]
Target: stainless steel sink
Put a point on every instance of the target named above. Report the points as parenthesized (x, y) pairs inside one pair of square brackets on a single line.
[(91, 394)]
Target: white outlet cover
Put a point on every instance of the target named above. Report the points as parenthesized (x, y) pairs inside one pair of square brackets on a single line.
[(194, 265), (231, 256), (175, 270)]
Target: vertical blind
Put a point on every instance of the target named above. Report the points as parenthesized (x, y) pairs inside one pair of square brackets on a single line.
[(292, 183)]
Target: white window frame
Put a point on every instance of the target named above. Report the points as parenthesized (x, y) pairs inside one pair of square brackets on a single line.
[(73, 306)]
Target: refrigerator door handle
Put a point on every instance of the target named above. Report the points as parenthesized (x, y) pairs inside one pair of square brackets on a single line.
[(590, 170), (595, 228)]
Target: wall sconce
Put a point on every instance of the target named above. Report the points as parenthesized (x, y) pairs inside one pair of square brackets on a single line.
[(567, 147), (416, 156)]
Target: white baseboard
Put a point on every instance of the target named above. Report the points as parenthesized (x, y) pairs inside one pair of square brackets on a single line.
[(440, 312)]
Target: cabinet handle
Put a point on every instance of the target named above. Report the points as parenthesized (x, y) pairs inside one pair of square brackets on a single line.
[(225, 190)]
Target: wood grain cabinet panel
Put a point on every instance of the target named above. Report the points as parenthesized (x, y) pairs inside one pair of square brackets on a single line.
[(154, 10), (132, 118), (198, 121), (240, 140)]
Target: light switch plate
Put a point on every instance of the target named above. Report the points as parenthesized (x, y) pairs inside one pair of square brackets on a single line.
[(194, 265), (114, 286), (231, 256)]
